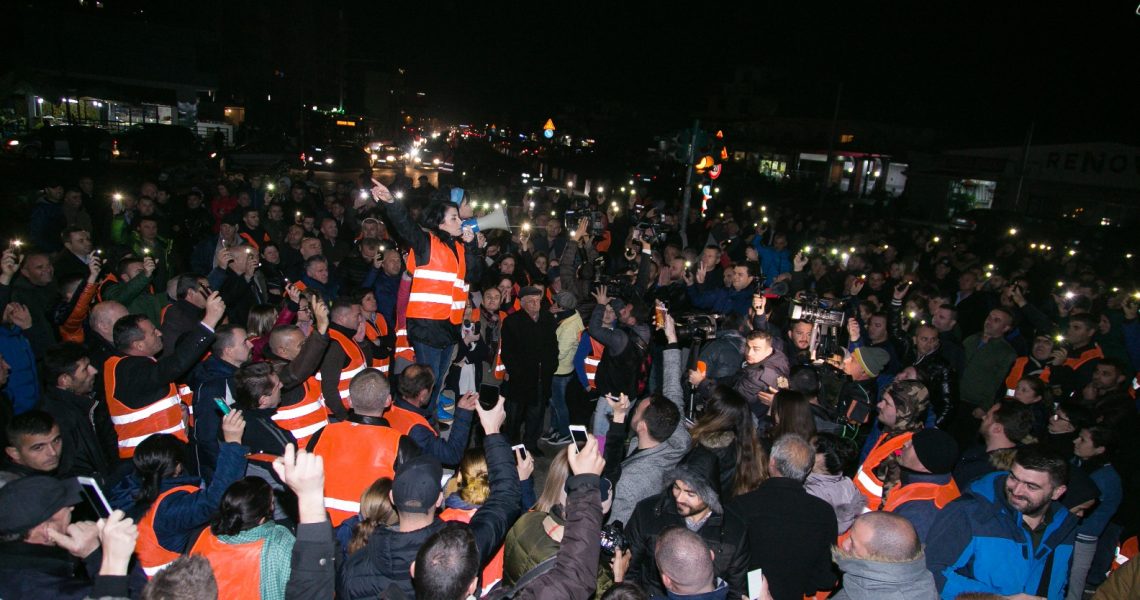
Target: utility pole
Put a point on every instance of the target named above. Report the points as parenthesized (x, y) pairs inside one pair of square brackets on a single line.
[(1024, 166), (689, 174), (830, 146)]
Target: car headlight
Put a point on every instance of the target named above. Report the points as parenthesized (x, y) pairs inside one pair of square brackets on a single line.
[(435, 161), (390, 158)]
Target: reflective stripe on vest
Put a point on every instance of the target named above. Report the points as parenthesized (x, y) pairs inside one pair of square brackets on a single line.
[(438, 290), (374, 331), (865, 480), (940, 494), (355, 456), (306, 417), (354, 366), (592, 360), (152, 556), (132, 426), (404, 350), (237, 567)]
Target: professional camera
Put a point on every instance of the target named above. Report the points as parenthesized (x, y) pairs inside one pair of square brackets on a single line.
[(816, 310), (613, 538), (582, 208), (695, 327)]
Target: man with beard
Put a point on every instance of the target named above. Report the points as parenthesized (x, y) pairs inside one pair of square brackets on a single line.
[(1007, 535)]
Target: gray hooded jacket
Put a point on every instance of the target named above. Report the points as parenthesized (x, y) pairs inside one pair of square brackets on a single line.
[(877, 580)]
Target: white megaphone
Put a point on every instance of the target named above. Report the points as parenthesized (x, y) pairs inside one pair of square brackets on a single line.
[(496, 219)]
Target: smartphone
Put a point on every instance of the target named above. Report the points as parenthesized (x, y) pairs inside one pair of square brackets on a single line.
[(659, 314), (93, 495), (579, 435), (755, 582), (519, 448), (488, 396), (222, 406)]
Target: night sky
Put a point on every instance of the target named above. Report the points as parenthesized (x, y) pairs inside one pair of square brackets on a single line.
[(985, 69)]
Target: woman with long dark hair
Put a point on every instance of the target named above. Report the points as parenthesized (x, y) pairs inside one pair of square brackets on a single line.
[(791, 413), (724, 442), (250, 554), (170, 505), (444, 259)]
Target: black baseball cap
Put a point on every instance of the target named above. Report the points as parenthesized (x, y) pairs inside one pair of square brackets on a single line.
[(29, 501)]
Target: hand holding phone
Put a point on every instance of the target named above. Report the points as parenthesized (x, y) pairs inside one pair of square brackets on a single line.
[(93, 496), (580, 437), (488, 396)]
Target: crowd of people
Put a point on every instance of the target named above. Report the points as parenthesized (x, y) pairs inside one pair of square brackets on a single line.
[(275, 390)]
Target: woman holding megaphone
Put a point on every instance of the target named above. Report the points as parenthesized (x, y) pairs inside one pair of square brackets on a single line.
[(443, 258)]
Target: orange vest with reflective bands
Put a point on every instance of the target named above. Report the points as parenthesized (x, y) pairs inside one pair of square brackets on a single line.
[(500, 369), (375, 331), (493, 572), (103, 284), (593, 359), (133, 425), (1079, 361), (355, 365), (439, 291), (404, 350), (403, 420), (865, 480), (152, 556), (1126, 552), (306, 417), (1017, 372), (237, 567), (355, 456), (940, 494)]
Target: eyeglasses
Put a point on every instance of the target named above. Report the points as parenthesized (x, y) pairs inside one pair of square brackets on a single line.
[(304, 309)]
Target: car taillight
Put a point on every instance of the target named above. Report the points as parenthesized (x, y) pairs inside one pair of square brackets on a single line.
[(302, 157)]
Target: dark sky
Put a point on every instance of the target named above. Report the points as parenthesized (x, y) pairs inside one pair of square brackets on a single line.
[(985, 67)]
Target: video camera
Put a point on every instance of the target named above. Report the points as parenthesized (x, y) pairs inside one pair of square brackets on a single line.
[(816, 310), (582, 208), (695, 327)]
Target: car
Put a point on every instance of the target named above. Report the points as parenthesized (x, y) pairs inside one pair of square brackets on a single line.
[(155, 142), (388, 155), (426, 159), (336, 157), (263, 154), (64, 142)]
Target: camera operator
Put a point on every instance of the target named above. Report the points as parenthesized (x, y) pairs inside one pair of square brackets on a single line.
[(724, 354), (757, 381)]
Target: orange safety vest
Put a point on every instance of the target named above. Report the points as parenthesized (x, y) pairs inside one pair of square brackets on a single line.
[(306, 417), (354, 366), (593, 359), (152, 556), (1017, 372), (940, 494), (375, 331), (355, 456), (438, 291), (404, 350), (1076, 362), (865, 480), (133, 425), (237, 567), (256, 245), (110, 278), (493, 572), (403, 420), (1126, 551), (500, 371)]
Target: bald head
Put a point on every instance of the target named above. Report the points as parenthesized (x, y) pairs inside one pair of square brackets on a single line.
[(103, 317), (885, 537), (285, 341), (685, 562), (369, 393)]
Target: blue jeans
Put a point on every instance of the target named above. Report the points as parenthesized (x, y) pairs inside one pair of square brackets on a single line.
[(559, 414), (439, 361)]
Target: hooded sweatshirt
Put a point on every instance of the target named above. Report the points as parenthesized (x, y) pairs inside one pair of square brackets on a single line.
[(877, 580)]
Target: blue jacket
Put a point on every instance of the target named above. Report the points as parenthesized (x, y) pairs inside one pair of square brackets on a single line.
[(773, 262), (23, 382), (211, 378), (386, 289), (723, 300), (978, 544), (182, 514)]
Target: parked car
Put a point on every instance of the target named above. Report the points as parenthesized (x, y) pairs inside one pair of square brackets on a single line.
[(154, 142), (335, 157), (64, 142), (265, 154)]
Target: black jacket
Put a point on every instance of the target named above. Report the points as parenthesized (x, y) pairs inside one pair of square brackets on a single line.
[(90, 446), (179, 318), (141, 380), (384, 562), (790, 534), (725, 535), (331, 365), (530, 348), (942, 383)]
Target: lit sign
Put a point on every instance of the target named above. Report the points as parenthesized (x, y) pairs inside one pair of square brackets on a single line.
[(346, 123)]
